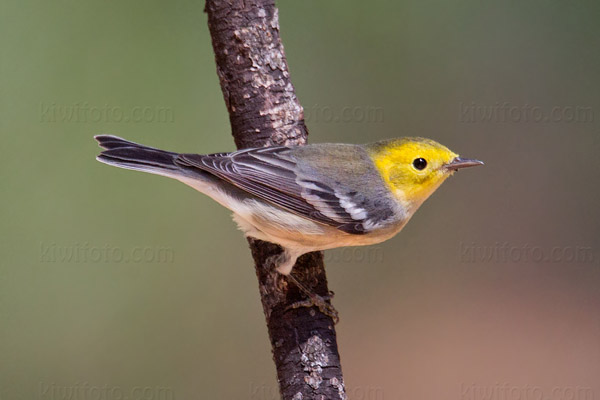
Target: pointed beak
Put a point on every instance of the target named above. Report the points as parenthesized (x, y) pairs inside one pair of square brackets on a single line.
[(459, 163)]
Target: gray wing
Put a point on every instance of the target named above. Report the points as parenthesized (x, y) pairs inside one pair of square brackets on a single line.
[(285, 176)]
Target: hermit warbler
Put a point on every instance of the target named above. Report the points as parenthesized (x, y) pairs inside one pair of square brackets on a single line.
[(307, 198)]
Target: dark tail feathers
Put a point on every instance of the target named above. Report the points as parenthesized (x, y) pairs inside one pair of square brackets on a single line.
[(125, 154)]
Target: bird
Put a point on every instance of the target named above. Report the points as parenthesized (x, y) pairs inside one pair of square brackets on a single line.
[(306, 198)]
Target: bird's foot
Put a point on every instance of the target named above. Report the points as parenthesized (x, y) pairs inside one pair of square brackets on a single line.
[(283, 263), (314, 300)]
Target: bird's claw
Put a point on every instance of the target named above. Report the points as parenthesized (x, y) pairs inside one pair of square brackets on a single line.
[(314, 300)]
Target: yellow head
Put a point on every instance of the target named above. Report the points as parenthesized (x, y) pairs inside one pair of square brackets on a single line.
[(415, 167)]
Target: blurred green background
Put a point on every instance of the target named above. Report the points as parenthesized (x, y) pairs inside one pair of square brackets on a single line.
[(116, 284)]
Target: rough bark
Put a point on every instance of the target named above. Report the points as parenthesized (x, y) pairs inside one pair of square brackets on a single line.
[(264, 111)]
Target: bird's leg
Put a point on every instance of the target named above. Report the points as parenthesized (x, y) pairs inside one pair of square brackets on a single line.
[(283, 263), (314, 300)]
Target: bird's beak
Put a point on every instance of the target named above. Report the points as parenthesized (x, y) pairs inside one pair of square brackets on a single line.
[(459, 163)]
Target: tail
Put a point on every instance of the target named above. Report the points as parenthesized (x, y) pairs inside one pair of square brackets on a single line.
[(125, 154)]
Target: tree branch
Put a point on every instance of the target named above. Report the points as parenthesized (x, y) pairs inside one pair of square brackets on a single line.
[(264, 111)]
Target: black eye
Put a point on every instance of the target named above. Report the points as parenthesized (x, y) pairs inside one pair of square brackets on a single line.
[(419, 163)]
